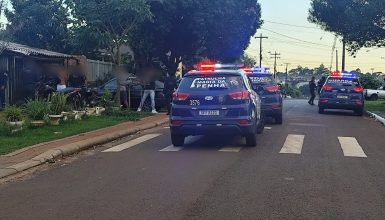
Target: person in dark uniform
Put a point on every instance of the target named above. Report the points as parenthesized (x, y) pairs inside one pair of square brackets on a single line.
[(3, 86), (170, 85), (77, 79), (312, 87)]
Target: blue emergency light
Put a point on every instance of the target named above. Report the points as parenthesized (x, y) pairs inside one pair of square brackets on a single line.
[(261, 70)]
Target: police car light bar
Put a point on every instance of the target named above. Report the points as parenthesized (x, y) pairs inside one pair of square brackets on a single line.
[(344, 74), (261, 70)]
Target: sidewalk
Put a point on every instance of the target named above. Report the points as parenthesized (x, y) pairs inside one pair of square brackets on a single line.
[(35, 155)]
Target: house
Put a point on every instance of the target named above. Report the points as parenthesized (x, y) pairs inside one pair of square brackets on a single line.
[(15, 57)]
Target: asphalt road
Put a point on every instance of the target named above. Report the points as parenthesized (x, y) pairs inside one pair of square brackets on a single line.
[(313, 166)]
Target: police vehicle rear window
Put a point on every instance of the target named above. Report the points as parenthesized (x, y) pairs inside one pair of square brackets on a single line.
[(342, 82), (202, 83), (261, 80)]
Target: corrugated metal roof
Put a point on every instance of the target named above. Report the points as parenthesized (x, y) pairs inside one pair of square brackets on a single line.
[(26, 50)]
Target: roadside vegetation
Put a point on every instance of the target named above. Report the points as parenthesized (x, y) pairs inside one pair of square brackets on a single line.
[(34, 135), (375, 106)]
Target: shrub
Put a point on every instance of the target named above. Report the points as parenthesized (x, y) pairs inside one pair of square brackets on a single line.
[(37, 109), (13, 114), (57, 103)]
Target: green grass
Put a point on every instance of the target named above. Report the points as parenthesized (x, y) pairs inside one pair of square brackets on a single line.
[(375, 106), (30, 136)]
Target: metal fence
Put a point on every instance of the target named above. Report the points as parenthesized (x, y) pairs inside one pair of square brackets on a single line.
[(98, 70)]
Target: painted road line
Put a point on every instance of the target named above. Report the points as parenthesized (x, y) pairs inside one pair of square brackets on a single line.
[(171, 148), (293, 144), (351, 147), (231, 149), (268, 128), (132, 143)]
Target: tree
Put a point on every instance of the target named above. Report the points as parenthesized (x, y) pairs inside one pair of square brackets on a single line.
[(3, 44), (359, 23), (193, 30), (369, 81), (248, 60), (39, 23), (112, 21)]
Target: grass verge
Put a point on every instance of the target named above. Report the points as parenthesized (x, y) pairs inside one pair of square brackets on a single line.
[(375, 106), (31, 136)]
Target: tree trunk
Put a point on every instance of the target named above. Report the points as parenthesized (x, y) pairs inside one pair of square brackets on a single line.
[(118, 63)]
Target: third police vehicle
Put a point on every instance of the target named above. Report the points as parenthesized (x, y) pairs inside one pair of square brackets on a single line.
[(342, 91)]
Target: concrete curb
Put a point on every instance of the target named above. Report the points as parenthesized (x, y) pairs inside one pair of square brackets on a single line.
[(72, 148), (376, 117)]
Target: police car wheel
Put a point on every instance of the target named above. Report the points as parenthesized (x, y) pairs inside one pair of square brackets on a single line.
[(251, 140), (278, 119), (177, 140), (321, 110), (359, 112)]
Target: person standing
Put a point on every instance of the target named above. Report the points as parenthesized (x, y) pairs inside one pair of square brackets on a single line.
[(170, 85), (149, 90), (3, 86), (123, 80), (312, 87)]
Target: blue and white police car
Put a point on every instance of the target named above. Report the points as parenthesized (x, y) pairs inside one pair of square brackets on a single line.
[(215, 100), (265, 85), (342, 91)]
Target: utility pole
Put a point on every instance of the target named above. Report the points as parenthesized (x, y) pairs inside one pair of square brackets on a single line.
[(260, 48), (275, 56), (336, 60), (343, 54), (287, 73)]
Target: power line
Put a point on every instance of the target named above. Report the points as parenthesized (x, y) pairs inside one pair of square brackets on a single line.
[(291, 25), (293, 38)]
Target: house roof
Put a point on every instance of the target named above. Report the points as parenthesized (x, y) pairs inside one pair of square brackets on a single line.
[(31, 51)]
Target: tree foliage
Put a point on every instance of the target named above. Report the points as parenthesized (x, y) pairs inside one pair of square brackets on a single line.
[(192, 29), (111, 21), (39, 23), (361, 23), (369, 81)]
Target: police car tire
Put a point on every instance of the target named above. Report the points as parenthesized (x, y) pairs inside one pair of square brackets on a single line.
[(251, 140), (278, 119), (359, 112), (321, 110), (177, 140)]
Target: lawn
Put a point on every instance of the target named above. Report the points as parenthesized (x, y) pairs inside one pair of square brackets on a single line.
[(30, 136), (375, 106)]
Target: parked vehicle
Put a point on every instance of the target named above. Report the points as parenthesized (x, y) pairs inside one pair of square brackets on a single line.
[(135, 92), (265, 85), (215, 102), (342, 91), (375, 94)]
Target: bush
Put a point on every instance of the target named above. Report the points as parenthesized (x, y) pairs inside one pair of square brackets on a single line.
[(36, 109), (57, 103), (13, 114)]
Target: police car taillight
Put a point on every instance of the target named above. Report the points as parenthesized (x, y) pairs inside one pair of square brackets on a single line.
[(242, 95), (359, 89), (274, 88), (327, 88), (177, 96)]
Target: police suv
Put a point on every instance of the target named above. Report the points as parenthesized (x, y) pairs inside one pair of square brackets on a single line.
[(265, 85), (342, 91), (215, 100)]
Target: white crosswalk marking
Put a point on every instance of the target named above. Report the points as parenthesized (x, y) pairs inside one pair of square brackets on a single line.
[(268, 128), (132, 143), (171, 148), (231, 149), (293, 144), (351, 147)]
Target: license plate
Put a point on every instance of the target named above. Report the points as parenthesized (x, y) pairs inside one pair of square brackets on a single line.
[(342, 97), (209, 112)]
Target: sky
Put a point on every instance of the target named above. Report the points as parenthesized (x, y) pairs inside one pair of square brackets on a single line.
[(286, 26)]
